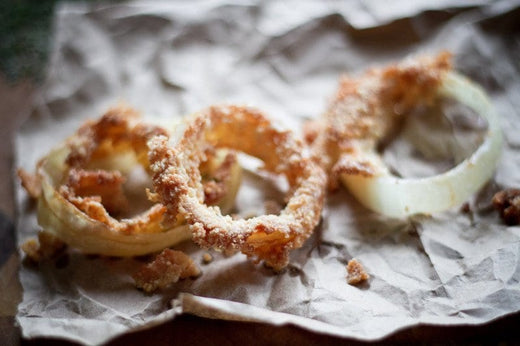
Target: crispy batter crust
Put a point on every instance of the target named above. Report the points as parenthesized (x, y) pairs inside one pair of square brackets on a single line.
[(99, 193), (217, 187), (367, 109), (167, 268), (47, 246), (117, 130), (176, 179), (95, 209), (108, 186)]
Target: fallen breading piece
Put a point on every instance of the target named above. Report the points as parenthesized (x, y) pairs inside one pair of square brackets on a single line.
[(507, 202), (356, 274), (207, 258), (167, 268), (47, 246)]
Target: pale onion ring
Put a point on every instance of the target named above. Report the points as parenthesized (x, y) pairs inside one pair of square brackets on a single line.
[(399, 197), (60, 217), (267, 237)]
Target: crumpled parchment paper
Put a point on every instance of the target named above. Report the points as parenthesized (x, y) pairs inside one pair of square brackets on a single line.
[(170, 59)]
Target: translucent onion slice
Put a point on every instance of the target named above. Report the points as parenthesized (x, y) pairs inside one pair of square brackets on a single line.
[(61, 218), (401, 197)]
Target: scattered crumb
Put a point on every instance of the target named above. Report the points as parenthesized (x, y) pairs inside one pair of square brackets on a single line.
[(465, 208), (31, 248), (507, 202), (356, 273), (30, 182), (207, 258), (47, 246), (167, 268)]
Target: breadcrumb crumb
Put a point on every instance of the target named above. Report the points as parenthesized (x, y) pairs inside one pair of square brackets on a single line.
[(507, 202), (167, 268), (207, 258), (356, 274), (47, 246)]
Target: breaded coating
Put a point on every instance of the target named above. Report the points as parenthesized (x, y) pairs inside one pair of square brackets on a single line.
[(216, 187), (117, 130), (99, 193), (366, 110), (147, 222), (167, 268), (47, 246), (107, 185)]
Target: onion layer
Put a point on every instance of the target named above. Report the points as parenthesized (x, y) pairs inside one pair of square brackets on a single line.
[(148, 232), (398, 197)]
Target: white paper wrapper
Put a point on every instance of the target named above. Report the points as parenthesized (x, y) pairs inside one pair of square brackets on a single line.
[(170, 59)]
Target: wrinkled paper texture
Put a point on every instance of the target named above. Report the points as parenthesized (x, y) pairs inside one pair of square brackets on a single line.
[(171, 59)]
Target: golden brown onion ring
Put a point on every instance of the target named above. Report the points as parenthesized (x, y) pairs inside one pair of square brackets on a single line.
[(96, 155), (177, 179), (367, 109)]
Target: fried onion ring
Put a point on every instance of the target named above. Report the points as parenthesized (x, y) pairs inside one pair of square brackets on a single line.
[(366, 110), (177, 179), (81, 188)]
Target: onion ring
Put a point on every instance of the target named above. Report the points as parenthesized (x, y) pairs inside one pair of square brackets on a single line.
[(116, 142), (367, 109), (176, 179)]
